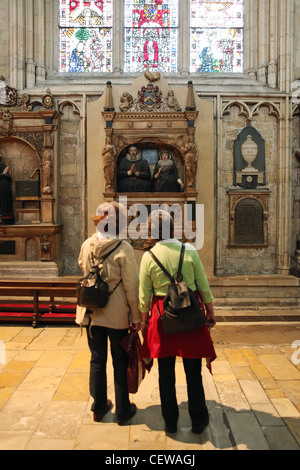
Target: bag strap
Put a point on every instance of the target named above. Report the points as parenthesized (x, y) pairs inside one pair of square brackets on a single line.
[(105, 256), (103, 259), (179, 276), (111, 292), (162, 267)]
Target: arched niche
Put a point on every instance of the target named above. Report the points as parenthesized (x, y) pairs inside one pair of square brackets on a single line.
[(150, 151), (31, 250), (20, 156), (24, 164), (256, 176), (248, 227), (249, 222)]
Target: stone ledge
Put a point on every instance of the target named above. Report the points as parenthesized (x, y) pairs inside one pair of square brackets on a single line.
[(263, 280), (30, 269)]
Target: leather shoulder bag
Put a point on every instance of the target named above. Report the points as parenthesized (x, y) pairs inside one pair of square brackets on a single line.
[(92, 290), (181, 309)]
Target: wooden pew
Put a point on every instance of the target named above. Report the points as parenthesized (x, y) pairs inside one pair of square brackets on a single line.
[(37, 292)]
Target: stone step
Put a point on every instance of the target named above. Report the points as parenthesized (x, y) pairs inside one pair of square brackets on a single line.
[(240, 292), (255, 303), (258, 315), (30, 269)]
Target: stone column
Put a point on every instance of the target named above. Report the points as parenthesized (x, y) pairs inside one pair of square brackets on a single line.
[(39, 39), (273, 64), (13, 5), (284, 193), (30, 65), (263, 33), (184, 37), (219, 268), (118, 45), (285, 15), (47, 180), (251, 12)]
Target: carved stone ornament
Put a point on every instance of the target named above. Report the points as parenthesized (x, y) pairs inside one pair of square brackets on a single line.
[(7, 119), (249, 153), (47, 176), (149, 99), (152, 77), (109, 164), (48, 100), (9, 98)]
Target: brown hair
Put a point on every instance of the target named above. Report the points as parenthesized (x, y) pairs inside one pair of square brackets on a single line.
[(160, 225), (104, 212)]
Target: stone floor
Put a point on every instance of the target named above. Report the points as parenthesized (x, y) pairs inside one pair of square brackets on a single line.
[(253, 395)]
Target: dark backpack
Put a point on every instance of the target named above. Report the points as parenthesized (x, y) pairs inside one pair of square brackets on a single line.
[(182, 311), (92, 290)]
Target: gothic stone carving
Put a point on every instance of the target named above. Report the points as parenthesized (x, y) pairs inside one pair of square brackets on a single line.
[(149, 99), (150, 120)]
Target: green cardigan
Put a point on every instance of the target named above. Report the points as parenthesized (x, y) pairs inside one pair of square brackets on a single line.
[(154, 281)]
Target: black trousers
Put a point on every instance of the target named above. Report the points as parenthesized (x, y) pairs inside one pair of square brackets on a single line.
[(196, 397), (98, 378)]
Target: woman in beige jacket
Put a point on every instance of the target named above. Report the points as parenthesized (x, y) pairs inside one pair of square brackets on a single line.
[(121, 272)]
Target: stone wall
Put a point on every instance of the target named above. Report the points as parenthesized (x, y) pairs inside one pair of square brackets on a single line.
[(71, 188), (29, 62), (239, 261)]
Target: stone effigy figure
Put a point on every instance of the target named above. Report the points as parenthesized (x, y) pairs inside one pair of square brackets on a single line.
[(133, 173), (6, 198), (165, 176)]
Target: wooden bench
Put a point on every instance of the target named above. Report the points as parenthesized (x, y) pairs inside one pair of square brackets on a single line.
[(36, 291)]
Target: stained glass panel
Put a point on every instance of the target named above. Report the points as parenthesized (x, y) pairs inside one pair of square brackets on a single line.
[(85, 35), (217, 34), (151, 35)]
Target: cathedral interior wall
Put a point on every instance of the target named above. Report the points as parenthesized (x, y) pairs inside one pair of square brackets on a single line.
[(27, 62)]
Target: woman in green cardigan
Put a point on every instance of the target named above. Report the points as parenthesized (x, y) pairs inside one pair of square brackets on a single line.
[(192, 346)]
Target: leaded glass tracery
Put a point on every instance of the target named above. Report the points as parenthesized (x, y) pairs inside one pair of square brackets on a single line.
[(216, 35), (151, 35), (85, 35)]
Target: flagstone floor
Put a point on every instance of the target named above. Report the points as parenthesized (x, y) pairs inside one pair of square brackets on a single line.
[(253, 395)]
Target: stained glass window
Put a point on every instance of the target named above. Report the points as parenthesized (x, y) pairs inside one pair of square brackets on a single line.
[(151, 35), (216, 35), (85, 35)]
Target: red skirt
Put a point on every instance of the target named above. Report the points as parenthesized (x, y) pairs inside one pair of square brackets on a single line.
[(193, 344)]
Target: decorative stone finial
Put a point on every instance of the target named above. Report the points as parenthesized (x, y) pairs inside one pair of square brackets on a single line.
[(109, 102), (190, 101)]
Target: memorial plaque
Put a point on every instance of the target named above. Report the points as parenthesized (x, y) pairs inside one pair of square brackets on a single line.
[(27, 188), (249, 223), (7, 247)]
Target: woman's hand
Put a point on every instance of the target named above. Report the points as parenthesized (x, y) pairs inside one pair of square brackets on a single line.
[(144, 328), (210, 315), (210, 320), (136, 326), (144, 323)]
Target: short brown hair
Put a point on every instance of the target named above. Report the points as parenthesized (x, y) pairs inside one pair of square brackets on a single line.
[(160, 225), (104, 212)]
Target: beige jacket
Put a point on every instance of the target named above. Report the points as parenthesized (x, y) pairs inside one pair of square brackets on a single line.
[(122, 307)]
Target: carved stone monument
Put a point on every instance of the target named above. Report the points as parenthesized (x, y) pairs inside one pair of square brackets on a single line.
[(148, 121), (22, 129)]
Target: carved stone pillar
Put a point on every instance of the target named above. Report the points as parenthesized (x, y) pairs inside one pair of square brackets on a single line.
[(47, 173)]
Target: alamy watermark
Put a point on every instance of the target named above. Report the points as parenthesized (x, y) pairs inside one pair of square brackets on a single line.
[(296, 92), (2, 353), (296, 354), (133, 221)]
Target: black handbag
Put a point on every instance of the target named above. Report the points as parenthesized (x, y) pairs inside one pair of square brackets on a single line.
[(181, 311), (92, 290)]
